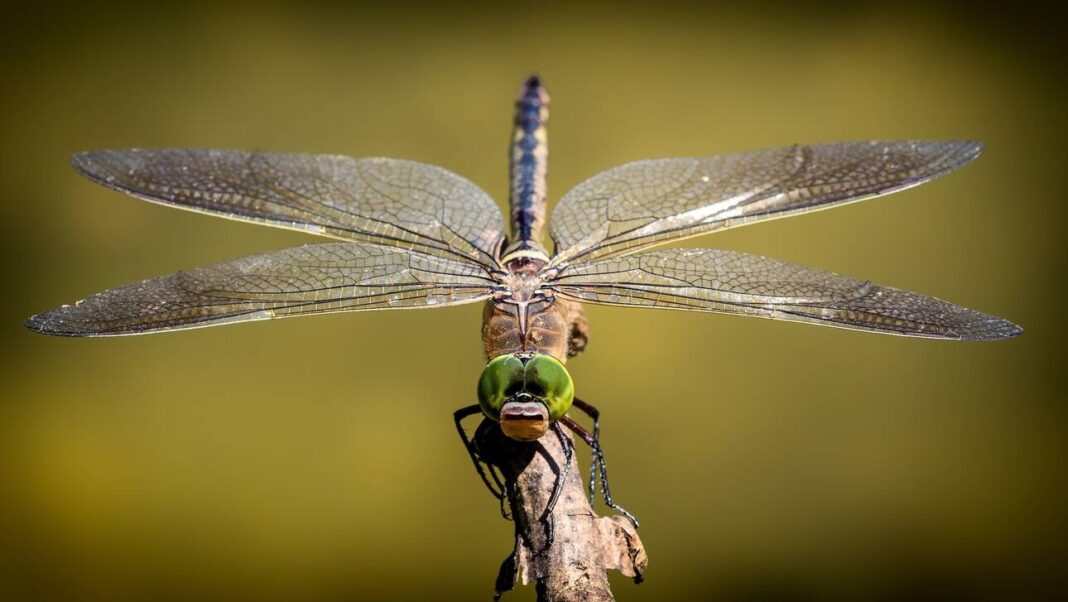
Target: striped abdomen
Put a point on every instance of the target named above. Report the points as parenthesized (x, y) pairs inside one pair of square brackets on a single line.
[(529, 166)]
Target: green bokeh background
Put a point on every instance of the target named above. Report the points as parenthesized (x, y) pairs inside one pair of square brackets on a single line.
[(314, 459)]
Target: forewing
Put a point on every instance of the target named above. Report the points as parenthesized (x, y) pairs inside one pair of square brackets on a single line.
[(310, 279), (738, 283), (646, 203), (384, 201)]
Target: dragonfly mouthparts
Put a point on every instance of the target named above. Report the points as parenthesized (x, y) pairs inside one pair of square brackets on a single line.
[(524, 418)]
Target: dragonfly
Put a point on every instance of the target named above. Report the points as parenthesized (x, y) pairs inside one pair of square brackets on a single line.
[(408, 235)]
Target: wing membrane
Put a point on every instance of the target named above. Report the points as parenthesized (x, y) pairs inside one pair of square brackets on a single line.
[(646, 203), (384, 201), (738, 283), (310, 279)]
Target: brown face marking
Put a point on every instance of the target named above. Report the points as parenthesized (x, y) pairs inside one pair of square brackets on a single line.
[(524, 420)]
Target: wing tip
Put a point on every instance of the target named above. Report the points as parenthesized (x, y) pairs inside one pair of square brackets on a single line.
[(36, 324), (950, 154), (82, 158), (968, 150), (104, 165), (51, 323), (64, 321), (87, 163), (996, 329)]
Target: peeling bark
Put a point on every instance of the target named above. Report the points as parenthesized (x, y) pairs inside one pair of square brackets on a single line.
[(584, 546)]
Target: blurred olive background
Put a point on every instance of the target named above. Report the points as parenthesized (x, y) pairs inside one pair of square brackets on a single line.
[(315, 459)]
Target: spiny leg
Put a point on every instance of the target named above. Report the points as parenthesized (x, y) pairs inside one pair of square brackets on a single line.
[(483, 433), (590, 440), (608, 492), (598, 452), (508, 573), (558, 485), (497, 487), (506, 577), (595, 414)]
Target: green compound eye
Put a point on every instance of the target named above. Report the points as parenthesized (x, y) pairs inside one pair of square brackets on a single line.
[(548, 380), (501, 378)]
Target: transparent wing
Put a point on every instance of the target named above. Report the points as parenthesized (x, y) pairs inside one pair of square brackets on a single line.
[(384, 201), (737, 283), (310, 279), (646, 203)]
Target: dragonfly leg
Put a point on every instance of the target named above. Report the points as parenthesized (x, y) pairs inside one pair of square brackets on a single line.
[(593, 440), (558, 485), (498, 485), (485, 471), (595, 414), (561, 474), (507, 575)]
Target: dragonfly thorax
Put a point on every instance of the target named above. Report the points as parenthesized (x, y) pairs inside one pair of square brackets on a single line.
[(524, 315)]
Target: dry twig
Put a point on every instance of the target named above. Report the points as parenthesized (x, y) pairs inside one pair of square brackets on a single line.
[(584, 546)]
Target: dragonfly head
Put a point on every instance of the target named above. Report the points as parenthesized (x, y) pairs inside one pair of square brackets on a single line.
[(525, 393)]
